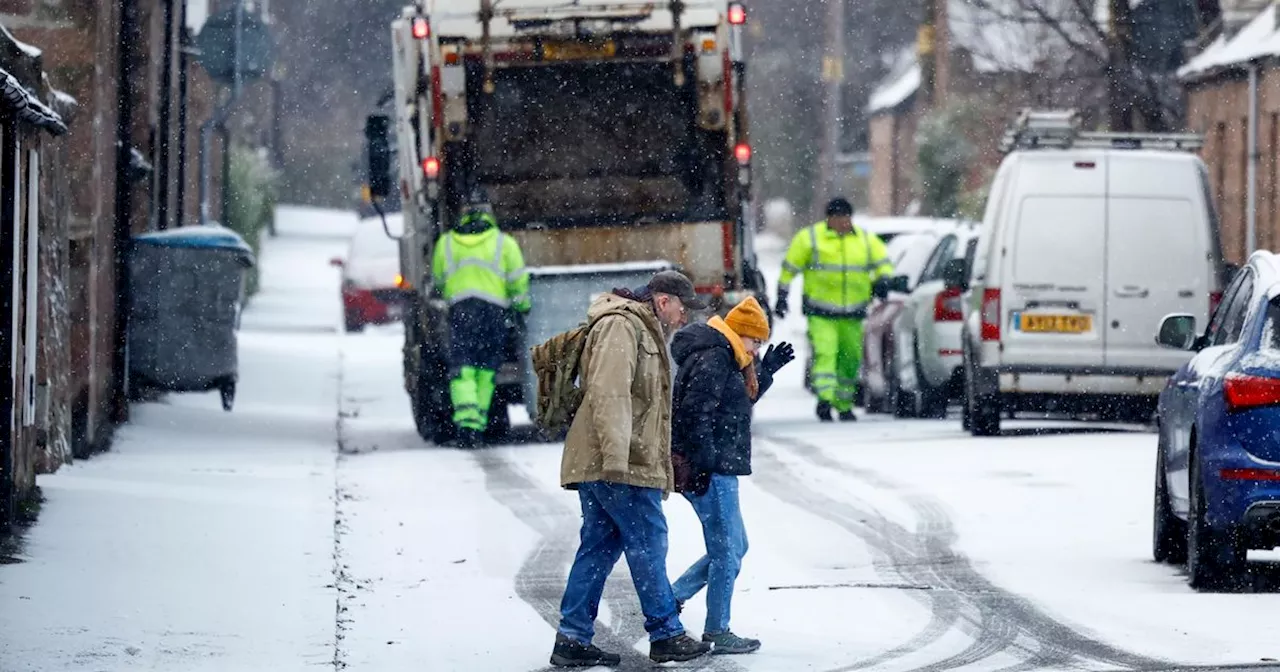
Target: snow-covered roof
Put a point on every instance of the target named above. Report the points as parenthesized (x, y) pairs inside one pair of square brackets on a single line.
[(27, 49), (197, 14), (1259, 39), (903, 80), (461, 17)]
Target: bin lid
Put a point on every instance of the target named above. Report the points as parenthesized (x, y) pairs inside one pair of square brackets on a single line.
[(211, 237)]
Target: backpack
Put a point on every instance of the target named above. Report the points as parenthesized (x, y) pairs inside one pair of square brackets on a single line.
[(555, 362)]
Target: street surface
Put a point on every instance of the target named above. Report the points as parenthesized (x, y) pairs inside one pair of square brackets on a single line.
[(312, 528)]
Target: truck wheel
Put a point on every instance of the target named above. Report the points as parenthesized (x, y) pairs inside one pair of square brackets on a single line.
[(432, 409)]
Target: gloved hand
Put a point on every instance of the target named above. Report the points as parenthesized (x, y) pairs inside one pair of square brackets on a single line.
[(781, 309), (880, 288), (777, 357)]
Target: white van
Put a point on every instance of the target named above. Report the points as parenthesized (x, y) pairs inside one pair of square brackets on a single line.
[(1084, 248)]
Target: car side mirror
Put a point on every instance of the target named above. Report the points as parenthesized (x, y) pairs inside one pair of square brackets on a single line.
[(377, 129), (1178, 331), (900, 284), (955, 274), (337, 262)]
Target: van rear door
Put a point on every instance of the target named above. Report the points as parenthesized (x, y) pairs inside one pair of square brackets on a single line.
[(1055, 263), (1158, 256)]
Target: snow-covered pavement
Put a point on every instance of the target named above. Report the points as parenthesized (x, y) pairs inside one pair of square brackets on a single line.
[(312, 528)]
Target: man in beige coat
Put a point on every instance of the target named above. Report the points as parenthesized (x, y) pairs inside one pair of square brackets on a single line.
[(618, 457)]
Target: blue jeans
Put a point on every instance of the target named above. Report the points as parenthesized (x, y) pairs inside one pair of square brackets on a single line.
[(619, 519), (726, 539)]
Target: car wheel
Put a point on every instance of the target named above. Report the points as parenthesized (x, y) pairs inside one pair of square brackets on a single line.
[(984, 411), (1215, 558), (1168, 532), (932, 400), (901, 404)]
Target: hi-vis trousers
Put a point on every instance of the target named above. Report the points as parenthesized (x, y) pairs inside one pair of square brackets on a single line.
[(837, 357)]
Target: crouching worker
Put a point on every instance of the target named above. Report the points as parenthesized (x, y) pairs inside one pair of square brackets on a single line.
[(618, 457), (717, 383)]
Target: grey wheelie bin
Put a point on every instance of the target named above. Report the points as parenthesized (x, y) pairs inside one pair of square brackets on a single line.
[(187, 293)]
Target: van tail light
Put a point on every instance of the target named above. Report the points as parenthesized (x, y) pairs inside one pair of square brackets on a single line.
[(1244, 392), (1215, 299), (946, 307), (991, 315)]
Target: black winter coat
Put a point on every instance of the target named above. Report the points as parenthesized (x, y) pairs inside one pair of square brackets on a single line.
[(711, 421)]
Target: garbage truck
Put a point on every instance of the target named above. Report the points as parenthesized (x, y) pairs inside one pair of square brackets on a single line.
[(611, 138)]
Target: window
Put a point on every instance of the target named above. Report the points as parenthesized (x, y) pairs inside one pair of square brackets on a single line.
[(970, 251), (1271, 329), (943, 253), (1233, 312)]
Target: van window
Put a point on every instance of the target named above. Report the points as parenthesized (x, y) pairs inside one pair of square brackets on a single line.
[(1059, 239)]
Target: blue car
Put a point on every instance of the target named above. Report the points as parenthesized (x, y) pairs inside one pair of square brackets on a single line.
[(1217, 490)]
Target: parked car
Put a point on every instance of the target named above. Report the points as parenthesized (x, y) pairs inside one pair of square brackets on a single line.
[(1082, 248), (927, 356), (889, 228), (372, 288), (1217, 485), (908, 252)]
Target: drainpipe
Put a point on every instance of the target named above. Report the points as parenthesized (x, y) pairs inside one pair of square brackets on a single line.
[(128, 46), (184, 52), (1251, 178), (166, 120)]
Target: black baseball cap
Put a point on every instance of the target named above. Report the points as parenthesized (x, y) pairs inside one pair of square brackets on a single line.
[(676, 284)]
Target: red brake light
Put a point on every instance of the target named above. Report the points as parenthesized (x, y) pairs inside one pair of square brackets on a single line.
[(1215, 298), (431, 167), (743, 153), (991, 315), (946, 307), (1244, 392), (421, 28), (1250, 474), (737, 14)]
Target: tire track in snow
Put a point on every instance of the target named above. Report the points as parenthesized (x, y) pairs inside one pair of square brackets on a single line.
[(998, 620), (541, 578)]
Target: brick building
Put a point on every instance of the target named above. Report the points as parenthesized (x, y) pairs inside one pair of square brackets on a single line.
[(1218, 85), (126, 164)]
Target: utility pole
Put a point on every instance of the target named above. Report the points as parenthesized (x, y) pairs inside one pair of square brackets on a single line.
[(1119, 38), (832, 103)]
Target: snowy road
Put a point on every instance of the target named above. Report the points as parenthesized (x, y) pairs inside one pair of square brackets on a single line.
[(210, 541)]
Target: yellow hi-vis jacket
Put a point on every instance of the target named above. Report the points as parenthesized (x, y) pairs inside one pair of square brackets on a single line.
[(488, 266), (838, 269)]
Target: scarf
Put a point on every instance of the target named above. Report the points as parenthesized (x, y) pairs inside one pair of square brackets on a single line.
[(746, 363)]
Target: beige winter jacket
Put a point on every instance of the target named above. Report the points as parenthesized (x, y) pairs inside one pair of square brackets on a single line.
[(622, 432)]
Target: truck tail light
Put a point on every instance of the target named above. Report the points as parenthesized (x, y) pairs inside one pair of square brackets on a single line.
[(743, 153), (431, 167), (737, 14), (946, 307), (1244, 392), (421, 28), (991, 315)]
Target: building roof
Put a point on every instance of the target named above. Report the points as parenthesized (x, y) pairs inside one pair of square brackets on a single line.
[(1259, 39), (461, 17), (898, 86)]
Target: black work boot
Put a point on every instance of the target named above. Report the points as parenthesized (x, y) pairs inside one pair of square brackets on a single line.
[(470, 438), (848, 416), (824, 411), (677, 649), (569, 653)]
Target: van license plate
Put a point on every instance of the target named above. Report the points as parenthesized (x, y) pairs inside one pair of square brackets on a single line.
[(1056, 324)]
